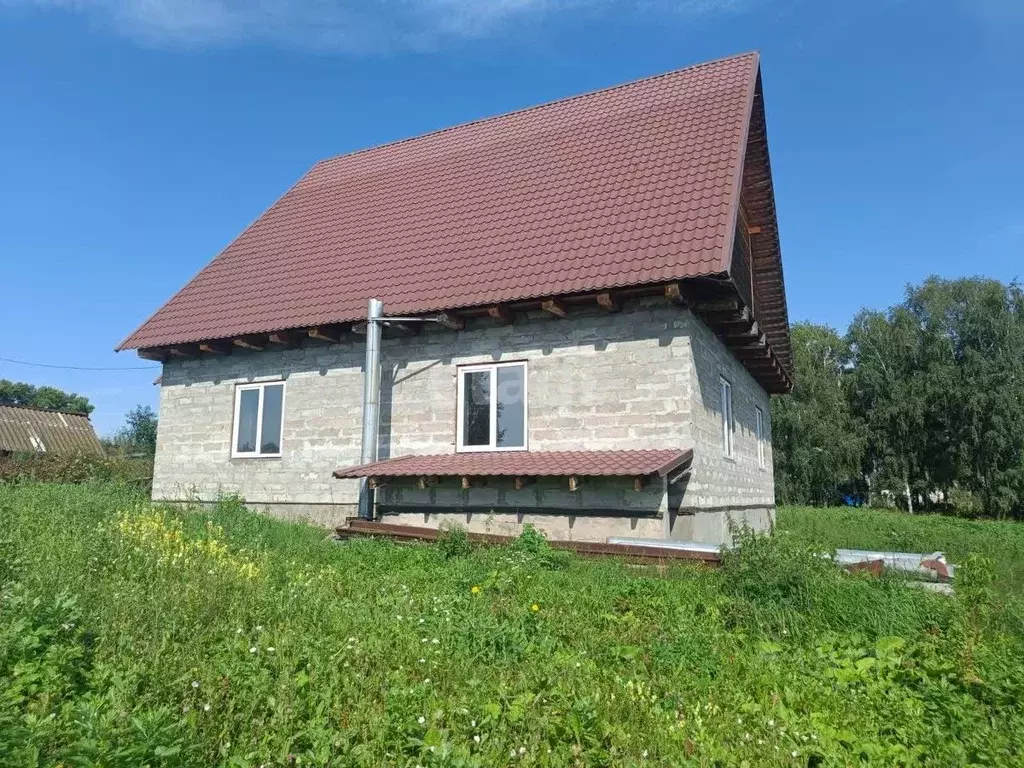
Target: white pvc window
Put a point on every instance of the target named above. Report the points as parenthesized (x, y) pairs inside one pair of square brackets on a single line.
[(259, 420), (728, 427), (759, 425), (492, 407)]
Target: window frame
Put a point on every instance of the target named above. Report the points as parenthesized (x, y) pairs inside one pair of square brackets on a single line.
[(260, 386), (759, 425), (728, 418), (460, 423)]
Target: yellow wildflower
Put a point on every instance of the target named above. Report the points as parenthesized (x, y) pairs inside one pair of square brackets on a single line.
[(535, 608), (475, 590)]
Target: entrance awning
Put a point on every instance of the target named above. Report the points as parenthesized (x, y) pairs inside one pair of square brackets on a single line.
[(638, 463)]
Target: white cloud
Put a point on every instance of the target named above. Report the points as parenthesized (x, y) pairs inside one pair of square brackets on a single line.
[(348, 25)]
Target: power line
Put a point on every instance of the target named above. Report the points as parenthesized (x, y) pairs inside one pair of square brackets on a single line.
[(79, 367)]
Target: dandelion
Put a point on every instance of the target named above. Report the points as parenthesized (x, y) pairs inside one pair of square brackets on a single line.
[(475, 590), (535, 608)]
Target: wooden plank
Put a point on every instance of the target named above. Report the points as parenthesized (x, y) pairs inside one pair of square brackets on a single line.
[(376, 482), (522, 482), (426, 481), (358, 527), (255, 341), (215, 347), (674, 293), (332, 334), (184, 350), (467, 482), (754, 230), (159, 354), (451, 321), (638, 483), (574, 483), (286, 339), (728, 316), (554, 307), (405, 329), (501, 313), (608, 301), (716, 305)]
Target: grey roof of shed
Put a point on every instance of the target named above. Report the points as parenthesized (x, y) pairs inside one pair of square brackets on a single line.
[(38, 430)]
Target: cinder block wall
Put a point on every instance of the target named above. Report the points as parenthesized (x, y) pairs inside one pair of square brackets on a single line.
[(646, 377)]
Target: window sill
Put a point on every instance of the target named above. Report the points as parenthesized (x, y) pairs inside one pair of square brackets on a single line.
[(485, 449), (256, 456)]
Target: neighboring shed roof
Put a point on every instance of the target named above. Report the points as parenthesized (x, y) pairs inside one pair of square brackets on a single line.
[(44, 431), (633, 185), (527, 464)]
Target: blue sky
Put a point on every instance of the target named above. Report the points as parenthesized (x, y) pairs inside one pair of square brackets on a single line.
[(138, 137)]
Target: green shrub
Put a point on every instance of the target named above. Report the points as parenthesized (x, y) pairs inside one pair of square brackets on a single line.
[(134, 472), (453, 541)]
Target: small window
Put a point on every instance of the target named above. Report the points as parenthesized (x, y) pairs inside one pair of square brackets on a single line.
[(259, 415), (727, 422), (492, 407), (759, 424)]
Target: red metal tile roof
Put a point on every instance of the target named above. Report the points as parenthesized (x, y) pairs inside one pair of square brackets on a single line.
[(627, 186), (527, 464)]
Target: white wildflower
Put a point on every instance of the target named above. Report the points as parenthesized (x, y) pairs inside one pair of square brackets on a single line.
[(476, 737), (422, 720), (270, 649), (195, 683), (206, 707), (253, 649)]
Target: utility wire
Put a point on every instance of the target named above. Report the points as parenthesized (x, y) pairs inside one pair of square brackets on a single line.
[(79, 367)]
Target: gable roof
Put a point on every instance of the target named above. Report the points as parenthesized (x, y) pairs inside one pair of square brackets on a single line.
[(39, 430), (629, 186)]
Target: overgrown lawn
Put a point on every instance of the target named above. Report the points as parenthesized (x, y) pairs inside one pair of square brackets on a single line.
[(132, 635)]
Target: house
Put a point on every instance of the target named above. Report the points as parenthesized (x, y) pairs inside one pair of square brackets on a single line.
[(583, 318), (24, 429)]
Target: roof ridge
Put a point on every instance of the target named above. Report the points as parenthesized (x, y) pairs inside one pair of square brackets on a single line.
[(44, 410), (533, 107)]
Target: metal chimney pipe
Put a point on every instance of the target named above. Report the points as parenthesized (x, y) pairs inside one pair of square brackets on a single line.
[(371, 400)]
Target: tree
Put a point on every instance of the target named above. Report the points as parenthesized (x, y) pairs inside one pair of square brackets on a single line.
[(139, 430), (816, 441), (19, 393), (887, 395)]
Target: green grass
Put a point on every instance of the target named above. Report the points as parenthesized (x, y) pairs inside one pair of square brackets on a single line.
[(134, 636), (897, 531)]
